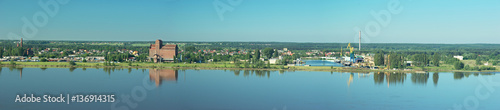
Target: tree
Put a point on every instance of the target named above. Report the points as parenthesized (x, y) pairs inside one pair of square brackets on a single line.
[(436, 59), (129, 63), (396, 60), (247, 65), (478, 61), (379, 58), (467, 67), (43, 60), (19, 51), (248, 56), (268, 64), (84, 60), (470, 56), (260, 64), (257, 54), (421, 60), (268, 52), (72, 63), (143, 57), (237, 64), (190, 49), (459, 65), (64, 54)]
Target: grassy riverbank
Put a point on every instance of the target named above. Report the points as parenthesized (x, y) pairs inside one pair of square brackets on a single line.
[(444, 68)]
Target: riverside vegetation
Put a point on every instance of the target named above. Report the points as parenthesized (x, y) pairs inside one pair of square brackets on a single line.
[(426, 57)]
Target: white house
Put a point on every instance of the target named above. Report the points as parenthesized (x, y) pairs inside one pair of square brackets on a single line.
[(273, 61), (459, 57)]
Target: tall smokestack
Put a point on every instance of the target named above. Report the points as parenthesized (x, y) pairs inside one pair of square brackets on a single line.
[(359, 40), (21, 42)]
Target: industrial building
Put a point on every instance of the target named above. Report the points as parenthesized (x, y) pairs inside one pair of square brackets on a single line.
[(160, 53)]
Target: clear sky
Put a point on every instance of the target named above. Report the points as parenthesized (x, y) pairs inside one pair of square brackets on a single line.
[(415, 21)]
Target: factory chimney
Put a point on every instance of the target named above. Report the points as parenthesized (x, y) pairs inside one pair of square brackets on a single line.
[(359, 40)]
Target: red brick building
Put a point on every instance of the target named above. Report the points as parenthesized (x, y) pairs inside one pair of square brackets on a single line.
[(159, 52)]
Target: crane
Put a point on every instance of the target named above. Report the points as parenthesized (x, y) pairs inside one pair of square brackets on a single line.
[(388, 62)]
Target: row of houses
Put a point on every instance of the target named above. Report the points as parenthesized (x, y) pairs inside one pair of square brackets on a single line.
[(64, 59)]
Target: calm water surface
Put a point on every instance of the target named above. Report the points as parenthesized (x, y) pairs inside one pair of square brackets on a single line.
[(322, 63), (166, 89)]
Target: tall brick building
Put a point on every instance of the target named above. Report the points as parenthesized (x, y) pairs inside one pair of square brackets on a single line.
[(159, 52)]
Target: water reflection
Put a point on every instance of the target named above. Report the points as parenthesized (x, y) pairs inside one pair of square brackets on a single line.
[(419, 78), (21, 72), (458, 75), (435, 78), (390, 78), (71, 69), (351, 77), (236, 72), (396, 78), (258, 73), (111, 70), (160, 75), (350, 80), (12, 68), (221, 89), (461, 75)]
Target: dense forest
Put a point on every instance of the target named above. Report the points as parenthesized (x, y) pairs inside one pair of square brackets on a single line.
[(482, 49)]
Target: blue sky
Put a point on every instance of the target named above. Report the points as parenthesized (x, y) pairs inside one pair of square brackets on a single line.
[(418, 21)]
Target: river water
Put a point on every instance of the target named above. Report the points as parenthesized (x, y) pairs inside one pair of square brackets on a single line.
[(322, 63), (168, 89)]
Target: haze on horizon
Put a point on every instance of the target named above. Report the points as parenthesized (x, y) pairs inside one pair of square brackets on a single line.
[(388, 21)]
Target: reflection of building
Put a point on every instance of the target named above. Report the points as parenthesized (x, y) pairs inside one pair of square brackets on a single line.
[(159, 75), (160, 52)]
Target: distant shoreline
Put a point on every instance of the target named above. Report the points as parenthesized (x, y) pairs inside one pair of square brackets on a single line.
[(208, 66)]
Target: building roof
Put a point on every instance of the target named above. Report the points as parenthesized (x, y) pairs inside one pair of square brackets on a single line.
[(169, 47)]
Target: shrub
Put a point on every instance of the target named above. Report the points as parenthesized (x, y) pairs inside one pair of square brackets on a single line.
[(458, 65), (72, 63)]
